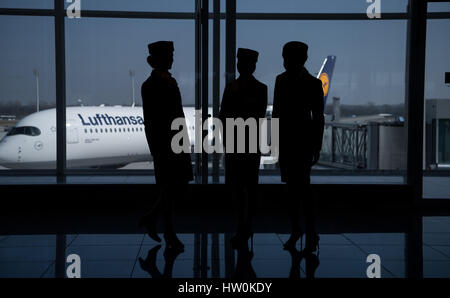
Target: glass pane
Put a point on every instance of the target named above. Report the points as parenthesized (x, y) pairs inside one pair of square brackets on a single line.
[(27, 93), (365, 131), (437, 111), (106, 66), (26, 4), (438, 7), (139, 5), (316, 6)]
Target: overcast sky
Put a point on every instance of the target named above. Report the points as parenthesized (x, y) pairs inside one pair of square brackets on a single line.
[(370, 65)]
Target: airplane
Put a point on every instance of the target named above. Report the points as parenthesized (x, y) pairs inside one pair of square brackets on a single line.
[(97, 136), (325, 74)]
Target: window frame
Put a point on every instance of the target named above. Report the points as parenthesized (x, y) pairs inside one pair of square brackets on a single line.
[(416, 17)]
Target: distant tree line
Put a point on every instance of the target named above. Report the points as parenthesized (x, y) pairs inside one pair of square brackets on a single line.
[(368, 109), (18, 109)]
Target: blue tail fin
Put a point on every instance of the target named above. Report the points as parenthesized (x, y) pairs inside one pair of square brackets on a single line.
[(325, 75)]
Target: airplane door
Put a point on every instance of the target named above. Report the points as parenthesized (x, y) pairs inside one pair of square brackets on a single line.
[(72, 132)]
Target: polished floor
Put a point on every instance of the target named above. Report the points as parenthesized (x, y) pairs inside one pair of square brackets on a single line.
[(341, 254)]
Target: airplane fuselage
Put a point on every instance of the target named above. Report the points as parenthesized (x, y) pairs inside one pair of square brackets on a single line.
[(95, 136)]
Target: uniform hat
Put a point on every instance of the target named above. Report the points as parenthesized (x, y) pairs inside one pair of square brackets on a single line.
[(160, 47), (295, 48), (247, 54)]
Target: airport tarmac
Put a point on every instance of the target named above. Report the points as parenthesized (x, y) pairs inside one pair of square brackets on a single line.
[(3, 131)]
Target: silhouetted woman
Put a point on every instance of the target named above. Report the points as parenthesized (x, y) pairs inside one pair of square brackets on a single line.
[(244, 98), (149, 264), (161, 101), (298, 104)]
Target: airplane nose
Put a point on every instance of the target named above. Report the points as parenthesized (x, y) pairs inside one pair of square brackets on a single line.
[(7, 153)]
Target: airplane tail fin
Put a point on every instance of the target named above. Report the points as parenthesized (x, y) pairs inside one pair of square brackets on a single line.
[(325, 75)]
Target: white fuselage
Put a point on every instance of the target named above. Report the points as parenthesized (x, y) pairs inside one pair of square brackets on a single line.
[(96, 136)]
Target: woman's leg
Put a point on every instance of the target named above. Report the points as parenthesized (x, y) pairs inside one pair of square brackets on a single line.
[(170, 194)]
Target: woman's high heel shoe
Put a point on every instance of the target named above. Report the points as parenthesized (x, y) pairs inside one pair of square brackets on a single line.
[(295, 236), (312, 263), (149, 223), (172, 241)]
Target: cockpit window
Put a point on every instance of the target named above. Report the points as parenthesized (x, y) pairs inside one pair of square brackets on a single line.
[(24, 130)]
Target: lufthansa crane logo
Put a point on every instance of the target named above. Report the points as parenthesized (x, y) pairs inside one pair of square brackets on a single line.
[(38, 145), (325, 83)]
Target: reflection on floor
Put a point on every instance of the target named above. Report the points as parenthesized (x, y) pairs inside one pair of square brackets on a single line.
[(436, 246), (209, 255)]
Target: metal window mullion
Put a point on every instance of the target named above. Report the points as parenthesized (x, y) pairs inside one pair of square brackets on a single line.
[(230, 40), (197, 255), (437, 141), (60, 91), (215, 252), (438, 15), (204, 253), (204, 82), (414, 247), (60, 255), (197, 163), (137, 14), (108, 172), (239, 16), (415, 74), (28, 172), (216, 80)]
